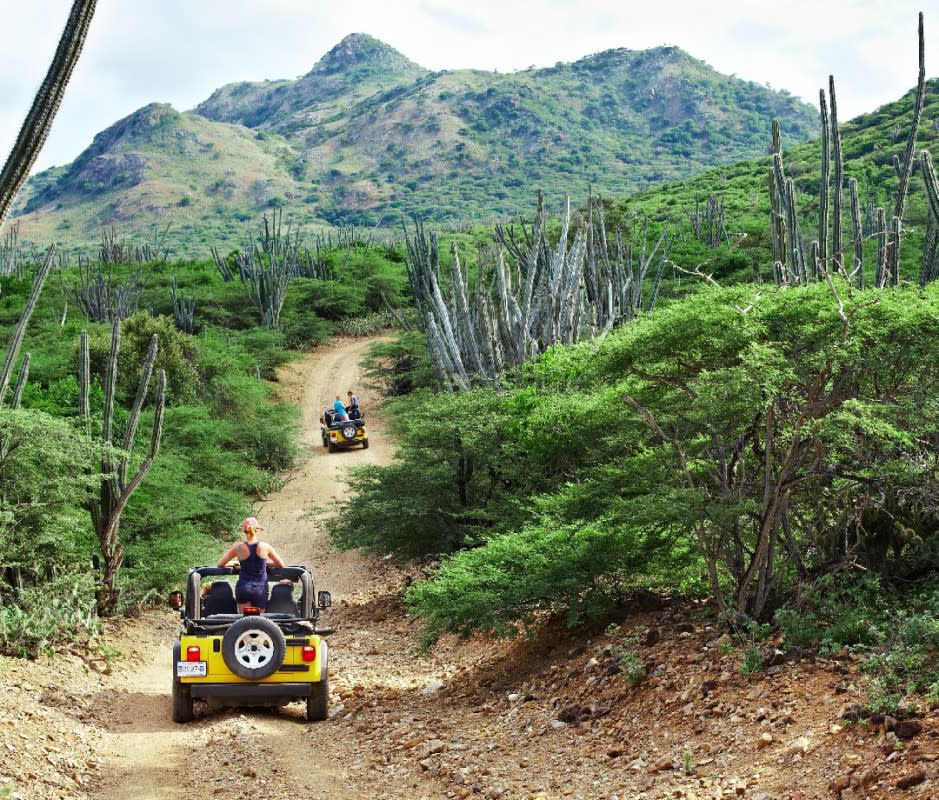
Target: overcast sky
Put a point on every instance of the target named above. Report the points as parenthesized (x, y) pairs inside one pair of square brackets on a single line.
[(179, 51)]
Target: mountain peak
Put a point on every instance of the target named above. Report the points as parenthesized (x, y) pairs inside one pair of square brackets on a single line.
[(359, 50)]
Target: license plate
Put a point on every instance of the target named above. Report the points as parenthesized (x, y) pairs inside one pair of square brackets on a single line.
[(190, 669)]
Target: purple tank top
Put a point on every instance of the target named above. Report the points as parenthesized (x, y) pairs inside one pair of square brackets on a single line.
[(253, 568)]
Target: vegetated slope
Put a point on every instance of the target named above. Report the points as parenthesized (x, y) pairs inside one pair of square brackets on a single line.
[(158, 167), (368, 135), (870, 144)]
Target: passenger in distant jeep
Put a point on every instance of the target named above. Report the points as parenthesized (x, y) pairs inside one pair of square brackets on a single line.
[(352, 407), (253, 556)]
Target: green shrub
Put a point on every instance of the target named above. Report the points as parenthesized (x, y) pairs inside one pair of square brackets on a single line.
[(367, 325), (268, 438), (303, 329), (838, 610), (162, 561), (177, 355), (631, 665), (400, 366), (580, 569), (55, 612)]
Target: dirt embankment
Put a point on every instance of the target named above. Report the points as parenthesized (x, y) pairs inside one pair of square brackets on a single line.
[(550, 718)]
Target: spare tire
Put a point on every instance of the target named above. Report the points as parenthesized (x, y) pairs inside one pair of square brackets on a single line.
[(348, 431), (254, 647)]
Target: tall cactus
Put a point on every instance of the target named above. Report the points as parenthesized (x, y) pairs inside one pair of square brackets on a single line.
[(906, 165), (932, 186), (116, 490), (929, 268), (788, 251), (778, 217), (184, 309), (19, 332), (824, 189), (838, 185), (929, 264), (578, 288), (880, 274), (786, 224), (857, 234), (266, 268), (38, 121)]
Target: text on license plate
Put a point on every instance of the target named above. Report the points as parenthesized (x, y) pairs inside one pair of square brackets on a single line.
[(190, 669)]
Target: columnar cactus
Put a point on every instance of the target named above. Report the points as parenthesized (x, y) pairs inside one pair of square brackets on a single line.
[(38, 121), (824, 188), (16, 341), (788, 255), (836, 245), (578, 288), (857, 235), (929, 265), (266, 268), (116, 490), (184, 309), (907, 163), (929, 178), (880, 274)]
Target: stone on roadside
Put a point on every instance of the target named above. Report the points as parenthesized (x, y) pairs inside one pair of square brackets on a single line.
[(800, 745), (907, 728), (911, 780)]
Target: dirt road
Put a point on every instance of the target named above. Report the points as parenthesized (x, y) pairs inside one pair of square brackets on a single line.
[(265, 753), (537, 719)]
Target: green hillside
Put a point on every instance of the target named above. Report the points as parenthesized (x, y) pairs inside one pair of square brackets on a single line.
[(870, 143), (367, 136)]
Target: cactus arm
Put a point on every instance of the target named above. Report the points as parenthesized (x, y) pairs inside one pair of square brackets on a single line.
[(929, 178), (838, 185), (21, 382), (131, 430), (20, 331), (38, 121), (917, 114)]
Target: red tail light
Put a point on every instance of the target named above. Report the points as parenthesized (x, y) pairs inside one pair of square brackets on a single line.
[(308, 653), (193, 654)]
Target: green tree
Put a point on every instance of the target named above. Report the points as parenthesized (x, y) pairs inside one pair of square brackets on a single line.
[(47, 471), (774, 425), (753, 438), (450, 483)]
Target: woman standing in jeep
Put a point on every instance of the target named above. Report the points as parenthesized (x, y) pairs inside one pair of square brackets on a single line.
[(252, 555)]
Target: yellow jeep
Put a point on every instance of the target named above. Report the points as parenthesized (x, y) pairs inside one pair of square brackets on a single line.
[(254, 658), (338, 434)]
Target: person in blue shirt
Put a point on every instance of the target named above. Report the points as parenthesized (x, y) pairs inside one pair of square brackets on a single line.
[(340, 409)]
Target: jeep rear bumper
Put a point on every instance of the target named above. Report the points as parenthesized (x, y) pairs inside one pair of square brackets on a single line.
[(258, 690)]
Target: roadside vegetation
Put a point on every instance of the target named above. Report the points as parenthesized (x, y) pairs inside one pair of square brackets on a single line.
[(764, 436), (226, 440), (722, 389)]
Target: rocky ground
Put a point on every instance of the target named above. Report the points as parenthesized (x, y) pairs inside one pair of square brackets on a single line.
[(564, 715)]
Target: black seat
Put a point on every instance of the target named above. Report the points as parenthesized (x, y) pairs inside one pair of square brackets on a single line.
[(281, 601), (219, 600)]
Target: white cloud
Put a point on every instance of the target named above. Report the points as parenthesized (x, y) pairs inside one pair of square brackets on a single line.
[(178, 51)]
